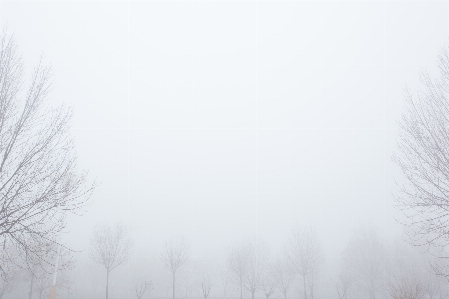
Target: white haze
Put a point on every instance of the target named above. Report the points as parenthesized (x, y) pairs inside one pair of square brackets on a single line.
[(219, 120)]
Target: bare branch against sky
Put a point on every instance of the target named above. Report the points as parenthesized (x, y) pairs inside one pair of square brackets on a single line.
[(39, 180)]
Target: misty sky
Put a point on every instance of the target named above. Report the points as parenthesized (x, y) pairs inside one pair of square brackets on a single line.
[(218, 120)]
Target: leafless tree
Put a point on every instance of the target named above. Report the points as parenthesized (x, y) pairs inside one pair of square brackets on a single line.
[(305, 254), (39, 181), (423, 158), (175, 253), (269, 283), (110, 247), (343, 284), (238, 261), (364, 260), (206, 285), (258, 263), (406, 288), (141, 286), (411, 264), (311, 280), (283, 274), (269, 287)]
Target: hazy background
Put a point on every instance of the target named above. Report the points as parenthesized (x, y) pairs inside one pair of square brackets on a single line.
[(219, 120)]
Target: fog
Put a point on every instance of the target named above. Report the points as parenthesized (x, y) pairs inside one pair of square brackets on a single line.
[(227, 121)]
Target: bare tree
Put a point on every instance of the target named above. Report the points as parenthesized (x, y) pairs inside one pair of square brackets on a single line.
[(269, 283), (305, 255), (423, 158), (238, 261), (364, 260), (311, 280), (39, 181), (141, 286), (343, 284), (175, 253), (410, 264), (269, 287), (206, 285), (406, 288), (110, 247), (258, 263), (283, 275)]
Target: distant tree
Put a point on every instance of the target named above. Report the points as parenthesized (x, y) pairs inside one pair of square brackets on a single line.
[(141, 286), (364, 260), (408, 264), (269, 287), (269, 283), (39, 181), (311, 280), (423, 158), (206, 285), (110, 247), (406, 288), (283, 275), (305, 255), (238, 261), (175, 253), (343, 284), (258, 266)]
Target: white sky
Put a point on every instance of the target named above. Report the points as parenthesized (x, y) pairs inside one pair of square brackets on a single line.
[(223, 119)]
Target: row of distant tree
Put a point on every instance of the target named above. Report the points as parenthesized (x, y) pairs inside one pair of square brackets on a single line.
[(370, 267)]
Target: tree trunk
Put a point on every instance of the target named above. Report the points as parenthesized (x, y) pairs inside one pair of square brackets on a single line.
[(252, 295), (107, 284), (173, 285)]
